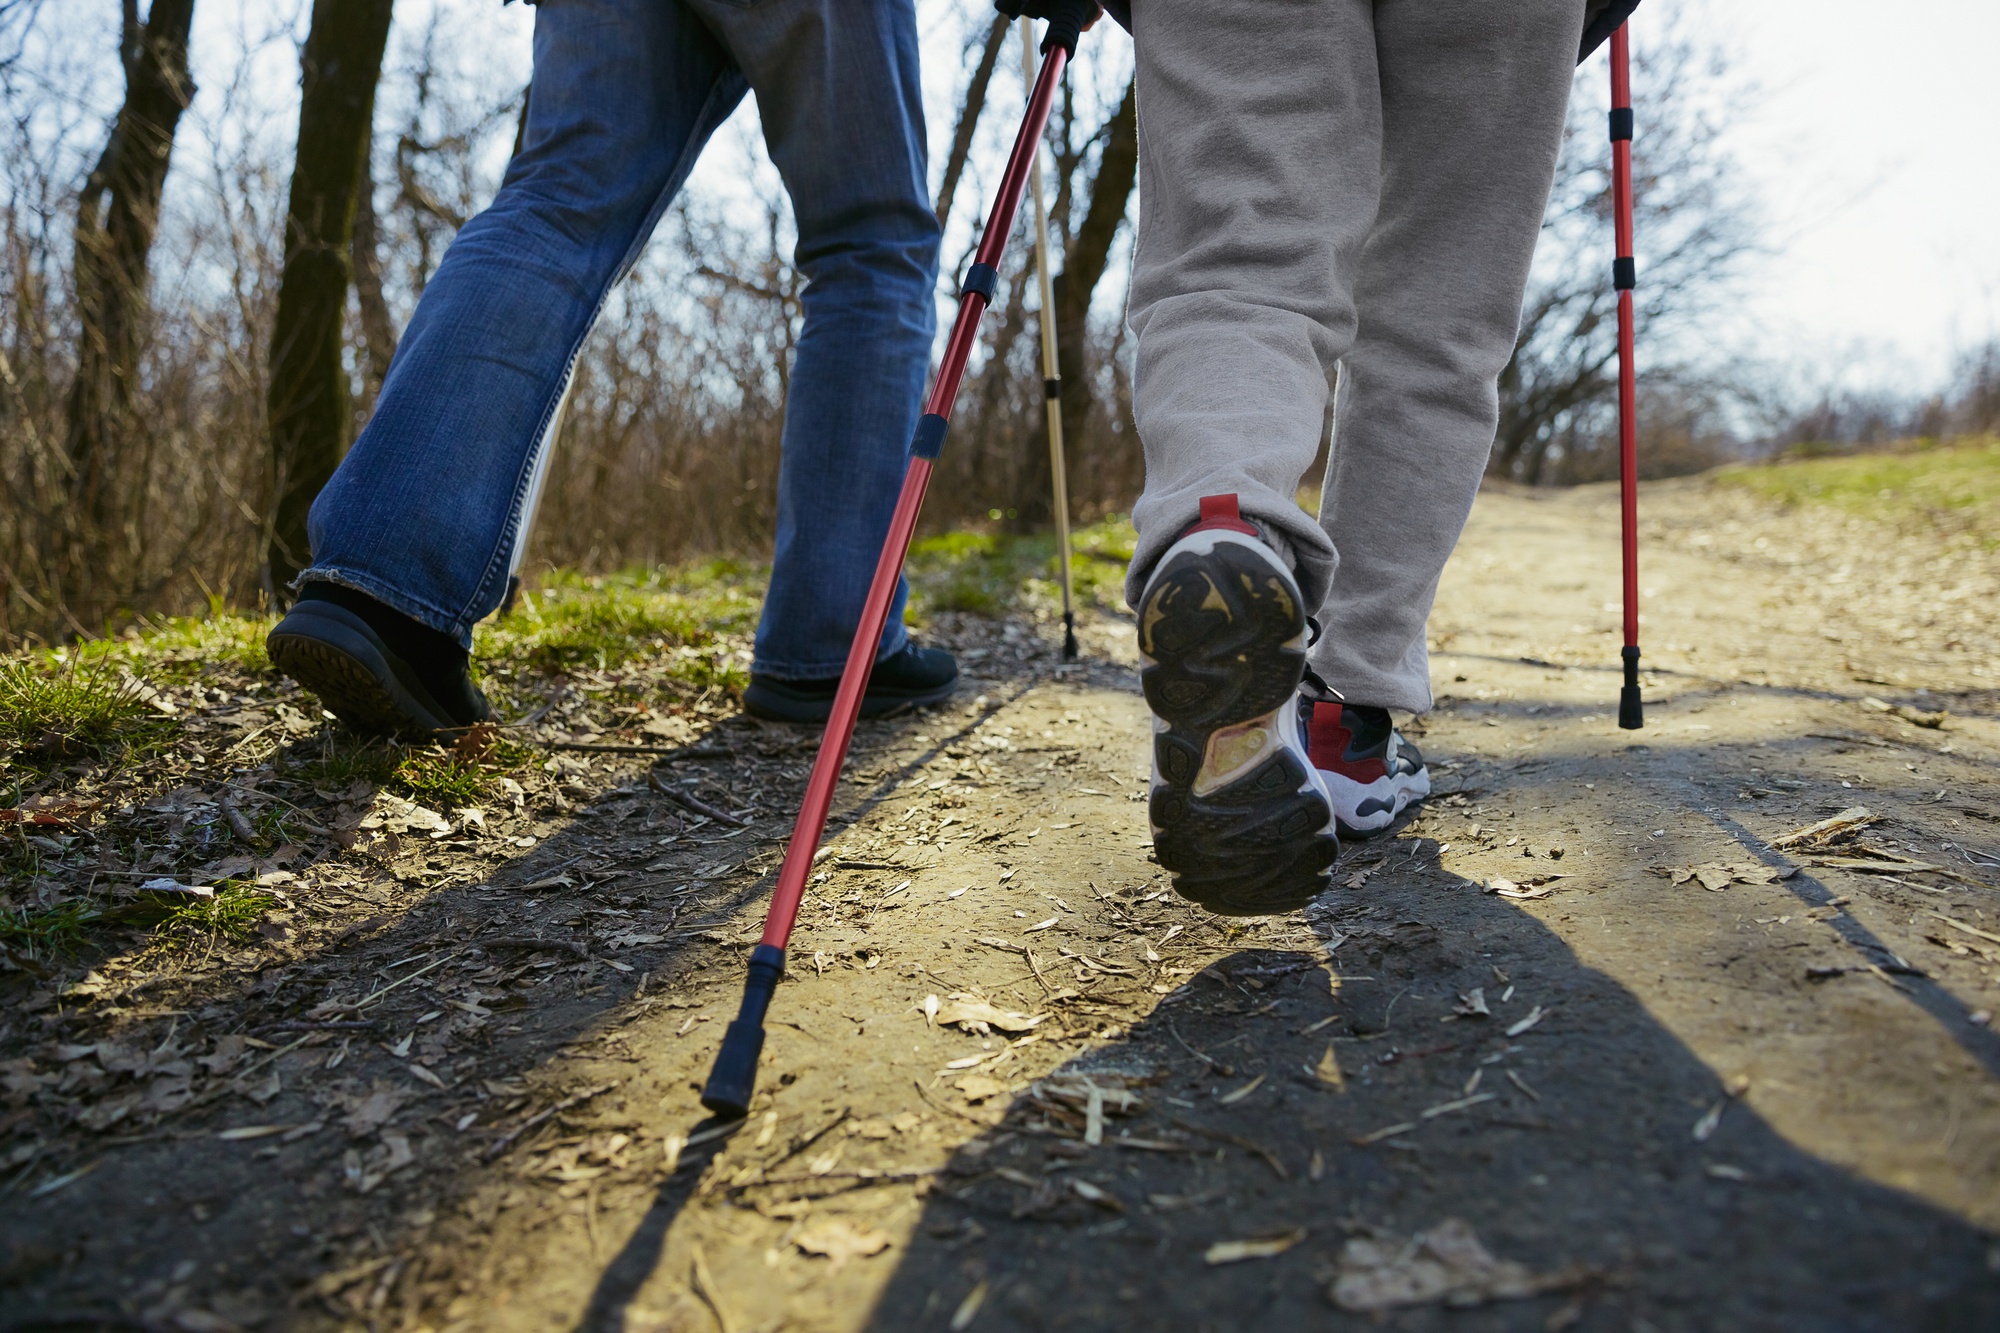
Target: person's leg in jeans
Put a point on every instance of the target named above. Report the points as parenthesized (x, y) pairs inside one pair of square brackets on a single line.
[(424, 511), (423, 515), (842, 110), (838, 90)]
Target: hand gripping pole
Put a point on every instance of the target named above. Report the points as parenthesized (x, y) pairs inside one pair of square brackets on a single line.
[(1625, 276), (734, 1076)]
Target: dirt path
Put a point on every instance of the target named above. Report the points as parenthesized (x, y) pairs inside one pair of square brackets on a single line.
[(1766, 1096)]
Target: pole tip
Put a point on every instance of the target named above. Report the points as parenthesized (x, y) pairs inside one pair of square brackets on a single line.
[(1631, 713), (734, 1077)]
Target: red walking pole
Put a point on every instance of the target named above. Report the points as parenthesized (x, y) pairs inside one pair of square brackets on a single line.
[(734, 1076), (1625, 276)]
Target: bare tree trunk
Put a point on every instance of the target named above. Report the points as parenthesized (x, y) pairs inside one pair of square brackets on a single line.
[(968, 117), (378, 329), (1084, 262), (307, 406), (117, 216)]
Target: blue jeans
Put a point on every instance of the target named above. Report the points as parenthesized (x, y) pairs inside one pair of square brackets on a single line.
[(425, 510)]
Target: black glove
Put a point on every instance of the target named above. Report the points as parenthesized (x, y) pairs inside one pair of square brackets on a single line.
[(1067, 18)]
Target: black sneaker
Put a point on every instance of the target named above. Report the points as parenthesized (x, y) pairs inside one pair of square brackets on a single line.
[(1239, 813), (374, 668), (912, 678), (1372, 773)]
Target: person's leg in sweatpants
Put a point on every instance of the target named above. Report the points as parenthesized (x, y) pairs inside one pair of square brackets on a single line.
[(1257, 157), (1473, 97), (1263, 133)]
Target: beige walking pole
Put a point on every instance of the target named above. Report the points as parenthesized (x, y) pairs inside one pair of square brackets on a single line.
[(1051, 380)]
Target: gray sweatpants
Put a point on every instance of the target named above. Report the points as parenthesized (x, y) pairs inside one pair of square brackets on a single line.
[(1351, 183)]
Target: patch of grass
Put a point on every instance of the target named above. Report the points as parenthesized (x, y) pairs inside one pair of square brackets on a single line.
[(437, 777), (990, 573), (61, 707), (232, 913), (1953, 486), (577, 623), (42, 934), (344, 761), (183, 648)]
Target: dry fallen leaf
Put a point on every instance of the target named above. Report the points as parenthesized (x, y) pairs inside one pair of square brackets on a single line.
[(1327, 1071), (978, 1087), (1446, 1263), (840, 1239), (977, 1015), (968, 1309), (1535, 1015), (1850, 820), (1265, 1247), (370, 1113)]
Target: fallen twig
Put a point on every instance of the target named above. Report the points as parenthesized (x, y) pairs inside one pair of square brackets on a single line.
[(668, 752), (334, 1025), (692, 804), (237, 823), (500, 1145), (1247, 1145), (570, 947), (980, 1121)]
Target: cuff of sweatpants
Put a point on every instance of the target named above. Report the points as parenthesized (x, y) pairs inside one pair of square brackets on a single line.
[(1338, 660), (1294, 534)]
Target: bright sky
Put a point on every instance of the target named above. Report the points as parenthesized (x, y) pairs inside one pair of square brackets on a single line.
[(1874, 149), (1878, 156)]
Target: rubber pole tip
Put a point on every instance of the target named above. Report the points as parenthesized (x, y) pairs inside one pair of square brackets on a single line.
[(734, 1077), (1631, 713)]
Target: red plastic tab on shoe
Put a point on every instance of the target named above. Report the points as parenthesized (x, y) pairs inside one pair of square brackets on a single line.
[(1327, 740), (1220, 511)]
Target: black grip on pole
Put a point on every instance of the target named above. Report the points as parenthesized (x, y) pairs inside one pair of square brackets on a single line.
[(981, 278), (1052, 387), (1631, 713), (928, 442), (1624, 273), (1621, 123), (1066, 24), (734, 1075)]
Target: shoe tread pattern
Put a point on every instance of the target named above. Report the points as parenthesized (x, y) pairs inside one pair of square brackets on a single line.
[(347, 688), (1222, 633)]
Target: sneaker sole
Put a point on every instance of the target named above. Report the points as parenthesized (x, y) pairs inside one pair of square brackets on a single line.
[(774, 706), (341, 664), (1239, 817), (1364, 809)]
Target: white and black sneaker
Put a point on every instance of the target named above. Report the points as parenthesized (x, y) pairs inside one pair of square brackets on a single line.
[(1240, 816), (1372, 773)]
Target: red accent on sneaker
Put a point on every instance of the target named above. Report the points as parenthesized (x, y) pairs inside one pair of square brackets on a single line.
[(1327, 739), (1220, 511)]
